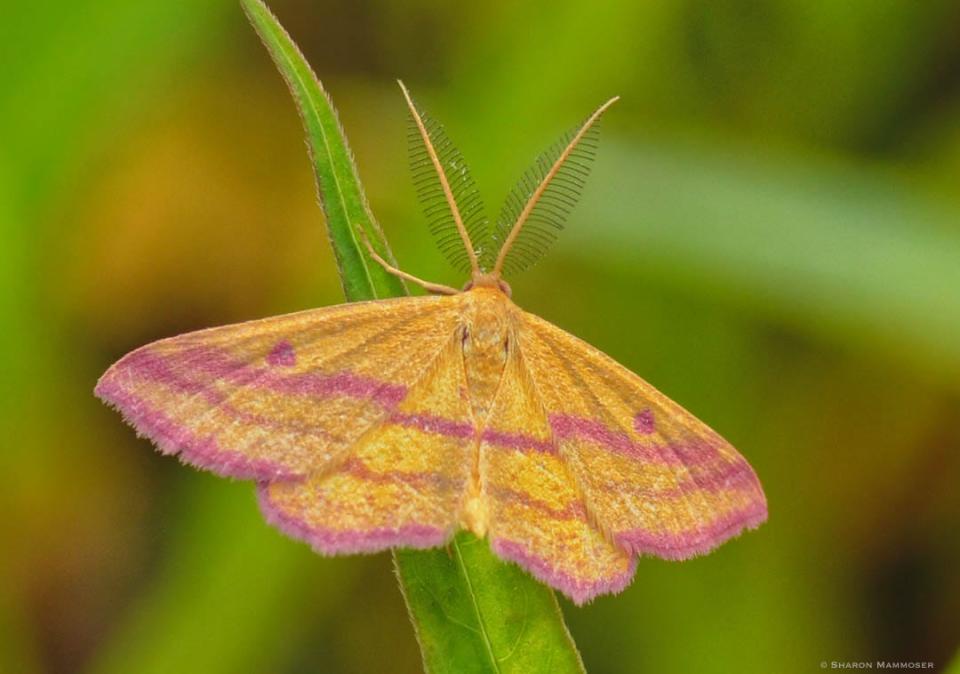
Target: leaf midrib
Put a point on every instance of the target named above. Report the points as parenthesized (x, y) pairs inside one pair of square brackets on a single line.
[(476, 607)]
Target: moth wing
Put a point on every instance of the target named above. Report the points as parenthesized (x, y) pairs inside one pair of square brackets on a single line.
[(537, 512), (656, 479), (401, 484), (282, 397)]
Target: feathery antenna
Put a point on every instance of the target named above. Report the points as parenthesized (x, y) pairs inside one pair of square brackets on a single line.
[(444, 185), (536, 209)]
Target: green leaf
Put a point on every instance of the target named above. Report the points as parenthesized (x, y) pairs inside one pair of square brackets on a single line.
[(471, 612)]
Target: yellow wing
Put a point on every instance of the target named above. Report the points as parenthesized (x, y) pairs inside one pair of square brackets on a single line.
[(403, 481), (537, 513), (654, 478), (283, 397)]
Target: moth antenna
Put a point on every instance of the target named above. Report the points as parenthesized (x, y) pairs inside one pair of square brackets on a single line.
[(448, 155), (545, 196), (435, 288)]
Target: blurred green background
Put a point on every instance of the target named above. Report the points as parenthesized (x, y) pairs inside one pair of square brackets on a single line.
[(771, 236)]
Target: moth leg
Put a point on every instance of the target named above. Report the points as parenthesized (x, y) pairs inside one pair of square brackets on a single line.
[(434, 288)]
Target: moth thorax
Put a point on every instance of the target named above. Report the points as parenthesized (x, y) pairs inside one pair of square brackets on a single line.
[(485, 343)]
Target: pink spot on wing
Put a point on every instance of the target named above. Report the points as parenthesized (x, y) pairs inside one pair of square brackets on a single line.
[(643, 422), (282, 355)]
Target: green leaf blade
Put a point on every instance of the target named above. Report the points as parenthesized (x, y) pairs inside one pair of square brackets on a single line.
[(471, 611), (474, 613)]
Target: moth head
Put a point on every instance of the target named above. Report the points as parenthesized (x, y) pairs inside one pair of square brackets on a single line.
[(483, 279)]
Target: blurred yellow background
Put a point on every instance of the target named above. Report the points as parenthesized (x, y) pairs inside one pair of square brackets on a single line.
[(771, 236)]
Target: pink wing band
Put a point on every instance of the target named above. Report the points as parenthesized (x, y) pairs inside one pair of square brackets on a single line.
[(572, 511), (567, 426), (737, 475), (420, 479), (173, 438), (685, 545), (348, 541), (218, 364), (156, 369)]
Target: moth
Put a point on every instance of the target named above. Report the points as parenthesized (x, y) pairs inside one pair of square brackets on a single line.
[(397, 422)]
